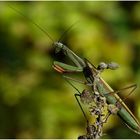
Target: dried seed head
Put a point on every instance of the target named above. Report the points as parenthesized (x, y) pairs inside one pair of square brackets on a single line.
[(102, 66), (113, 66), (82, 137), (91, 130), (87, 97), (95, 111)]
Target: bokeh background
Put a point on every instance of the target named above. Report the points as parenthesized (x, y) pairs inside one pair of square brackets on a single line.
[(35, 101)]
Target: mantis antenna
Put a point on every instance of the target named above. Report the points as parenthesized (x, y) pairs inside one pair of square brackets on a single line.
[(37, 25), (66, 31)]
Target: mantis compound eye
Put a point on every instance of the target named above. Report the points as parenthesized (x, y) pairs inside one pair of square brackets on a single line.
[(58, 46)]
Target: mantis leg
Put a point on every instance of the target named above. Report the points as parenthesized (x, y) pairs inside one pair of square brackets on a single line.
[(133, 87), (76, 96), (75, 80), (115, 108), (106, 117), (65, 68), (79, 81)]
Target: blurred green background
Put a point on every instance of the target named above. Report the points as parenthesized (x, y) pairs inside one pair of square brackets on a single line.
[(35, 102)]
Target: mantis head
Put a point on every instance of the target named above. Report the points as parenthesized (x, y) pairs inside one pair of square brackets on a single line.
[(58, 46)]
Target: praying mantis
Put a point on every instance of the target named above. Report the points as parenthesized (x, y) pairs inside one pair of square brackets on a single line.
[(92, 75), (93, 79)]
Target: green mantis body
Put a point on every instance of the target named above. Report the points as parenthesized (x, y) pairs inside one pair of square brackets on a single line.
[(94, 78)]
